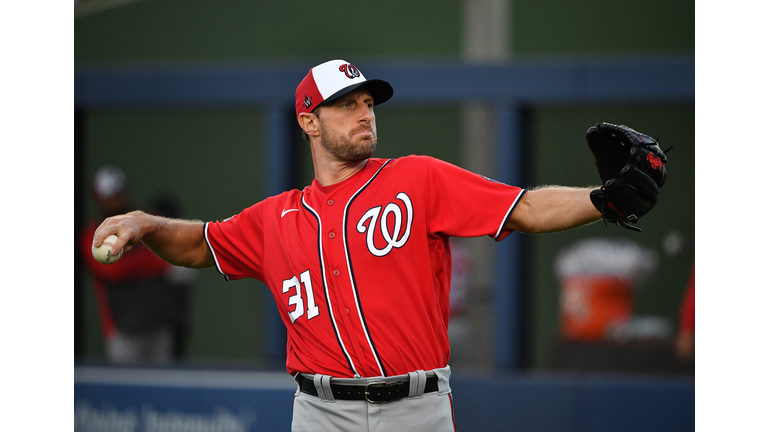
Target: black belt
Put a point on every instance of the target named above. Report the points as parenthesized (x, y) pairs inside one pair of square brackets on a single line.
[(377, 392)]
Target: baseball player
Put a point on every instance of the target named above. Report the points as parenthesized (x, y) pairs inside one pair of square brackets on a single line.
[(359, 261)]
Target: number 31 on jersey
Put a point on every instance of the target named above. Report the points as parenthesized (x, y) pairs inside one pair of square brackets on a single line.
[(296, 299)]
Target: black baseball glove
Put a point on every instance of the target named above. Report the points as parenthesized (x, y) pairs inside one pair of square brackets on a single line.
[(632, 168)]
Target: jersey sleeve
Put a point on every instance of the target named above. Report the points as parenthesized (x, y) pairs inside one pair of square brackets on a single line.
[(465, 204), (237, 243)]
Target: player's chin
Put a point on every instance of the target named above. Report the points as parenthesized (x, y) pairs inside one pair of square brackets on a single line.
[(362, 151), (366, 144), (369, 148)]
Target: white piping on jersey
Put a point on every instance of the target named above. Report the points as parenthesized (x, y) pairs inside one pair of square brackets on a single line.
[(325, 285), (215, 260), (351, 276), (506, 216)]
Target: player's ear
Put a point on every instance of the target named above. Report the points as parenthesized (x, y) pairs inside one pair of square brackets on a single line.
[(310, 124)]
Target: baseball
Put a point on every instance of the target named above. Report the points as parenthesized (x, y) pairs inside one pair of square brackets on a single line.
[(103, 253)]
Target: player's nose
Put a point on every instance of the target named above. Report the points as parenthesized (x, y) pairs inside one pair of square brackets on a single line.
[(366, 113)]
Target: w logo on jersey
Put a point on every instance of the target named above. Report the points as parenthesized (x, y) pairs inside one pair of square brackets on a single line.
[(394, 239)]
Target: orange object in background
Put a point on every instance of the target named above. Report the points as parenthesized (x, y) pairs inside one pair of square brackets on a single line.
[(591, 304)]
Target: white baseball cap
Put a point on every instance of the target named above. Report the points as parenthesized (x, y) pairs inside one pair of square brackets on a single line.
[(108, 182), (329, 81)]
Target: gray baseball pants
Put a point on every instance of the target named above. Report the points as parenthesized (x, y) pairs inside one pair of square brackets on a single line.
[(422, 412)]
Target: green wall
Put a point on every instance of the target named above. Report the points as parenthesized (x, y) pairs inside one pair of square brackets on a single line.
[(567, 27), (213, 159), (170, 30)]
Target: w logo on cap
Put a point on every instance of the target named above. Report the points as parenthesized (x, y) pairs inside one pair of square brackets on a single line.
[(349, 70)]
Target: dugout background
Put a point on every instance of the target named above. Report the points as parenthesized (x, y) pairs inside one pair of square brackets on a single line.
[(213, 158)]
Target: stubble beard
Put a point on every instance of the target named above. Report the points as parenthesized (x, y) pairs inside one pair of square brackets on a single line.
[(342, 147)]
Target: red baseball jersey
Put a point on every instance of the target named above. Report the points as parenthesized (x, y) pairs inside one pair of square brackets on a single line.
[(361, 269)]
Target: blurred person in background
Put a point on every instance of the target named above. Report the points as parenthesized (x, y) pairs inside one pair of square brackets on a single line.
[(685, 345), (139, 305)]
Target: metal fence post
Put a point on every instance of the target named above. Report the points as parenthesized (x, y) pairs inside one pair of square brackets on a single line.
[(279, 178), (509, 258)]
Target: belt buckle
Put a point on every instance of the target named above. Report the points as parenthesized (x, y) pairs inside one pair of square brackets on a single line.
[(366, 393)]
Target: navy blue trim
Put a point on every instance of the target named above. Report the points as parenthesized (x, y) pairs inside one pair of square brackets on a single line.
[(509, 212), (213, 254)]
